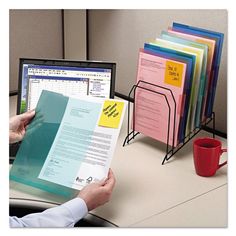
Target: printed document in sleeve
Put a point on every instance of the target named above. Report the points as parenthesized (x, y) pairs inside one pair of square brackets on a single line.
[(85, 141)]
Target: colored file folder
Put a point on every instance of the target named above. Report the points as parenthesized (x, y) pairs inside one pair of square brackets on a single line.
[(152, 108), (173, 38), (190, 62), (197, 73), (211, 49), (219, 38), (37, 143), (200, 51)]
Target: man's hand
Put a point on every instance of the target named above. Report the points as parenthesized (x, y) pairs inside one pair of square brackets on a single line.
[(17, 126), (97, 194)]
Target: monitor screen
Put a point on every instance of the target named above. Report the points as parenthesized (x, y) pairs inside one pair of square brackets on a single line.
[(70, 78)]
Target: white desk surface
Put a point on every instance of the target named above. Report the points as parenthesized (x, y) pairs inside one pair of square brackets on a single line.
[(148, 194)]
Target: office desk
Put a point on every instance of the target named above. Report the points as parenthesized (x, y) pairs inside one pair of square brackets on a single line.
[(148, 194)]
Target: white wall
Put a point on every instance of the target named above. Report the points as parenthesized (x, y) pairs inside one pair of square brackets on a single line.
[(36, 34), (117, 35)]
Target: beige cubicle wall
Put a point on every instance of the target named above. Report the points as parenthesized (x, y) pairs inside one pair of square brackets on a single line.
[(117, 35), (45, 34), (33, 33), (75, 35)]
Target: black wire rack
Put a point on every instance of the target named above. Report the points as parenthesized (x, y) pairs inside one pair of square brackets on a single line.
[(170, 148)]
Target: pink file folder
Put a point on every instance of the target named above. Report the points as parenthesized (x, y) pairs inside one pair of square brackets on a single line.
[(151, 111)]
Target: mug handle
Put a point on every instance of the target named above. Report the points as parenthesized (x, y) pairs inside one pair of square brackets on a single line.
[(224, 163)]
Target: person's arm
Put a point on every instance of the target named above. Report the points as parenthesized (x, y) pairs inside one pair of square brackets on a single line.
[(66, 215)]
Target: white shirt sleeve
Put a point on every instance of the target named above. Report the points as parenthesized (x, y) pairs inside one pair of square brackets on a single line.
[(65, 215)]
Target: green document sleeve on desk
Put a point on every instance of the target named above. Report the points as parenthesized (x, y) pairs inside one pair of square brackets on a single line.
[(37, 143)]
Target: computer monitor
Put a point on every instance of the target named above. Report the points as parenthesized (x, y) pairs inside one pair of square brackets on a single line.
[(71, 78)]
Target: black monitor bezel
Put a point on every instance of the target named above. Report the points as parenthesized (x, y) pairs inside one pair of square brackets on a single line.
[(65, 62)]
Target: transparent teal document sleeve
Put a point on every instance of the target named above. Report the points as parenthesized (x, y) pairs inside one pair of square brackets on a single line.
[(37, 143)]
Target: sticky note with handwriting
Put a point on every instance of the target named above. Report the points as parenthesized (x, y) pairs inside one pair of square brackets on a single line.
[(111, 114), (174, 73)]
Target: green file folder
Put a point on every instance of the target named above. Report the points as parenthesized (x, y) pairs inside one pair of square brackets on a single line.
[(37, 143)]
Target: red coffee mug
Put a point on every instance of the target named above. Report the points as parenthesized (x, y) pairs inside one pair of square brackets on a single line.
[(206, 153)]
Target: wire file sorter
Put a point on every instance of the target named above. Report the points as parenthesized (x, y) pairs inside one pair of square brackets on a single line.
[(171, 149)]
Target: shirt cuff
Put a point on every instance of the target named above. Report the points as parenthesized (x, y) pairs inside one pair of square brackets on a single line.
[(77, 208)]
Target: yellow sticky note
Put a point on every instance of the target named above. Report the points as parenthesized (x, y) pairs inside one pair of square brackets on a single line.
[(111, 114), (174, 73)]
